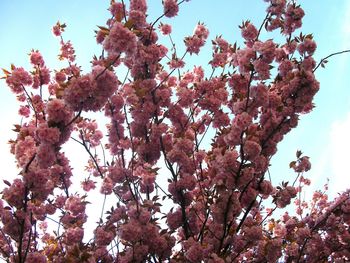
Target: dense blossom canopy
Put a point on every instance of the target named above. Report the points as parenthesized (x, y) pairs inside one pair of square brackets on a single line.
[(160, 116)]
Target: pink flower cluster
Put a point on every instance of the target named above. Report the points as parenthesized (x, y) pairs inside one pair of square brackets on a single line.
[(284, 15), (165, 29), (214, 132), (120, 39), (18, 79), (195, 42), (91, 91), (171, 8), (249, 31)]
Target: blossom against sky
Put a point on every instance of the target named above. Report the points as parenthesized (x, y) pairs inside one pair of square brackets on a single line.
[(322, 135)]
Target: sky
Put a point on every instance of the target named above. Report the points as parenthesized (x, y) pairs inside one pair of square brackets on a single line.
[(323, 134)]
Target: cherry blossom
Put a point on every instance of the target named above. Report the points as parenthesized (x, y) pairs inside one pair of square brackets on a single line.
[(183, 154)]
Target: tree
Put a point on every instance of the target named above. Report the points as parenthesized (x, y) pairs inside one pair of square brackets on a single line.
[(212, 136)]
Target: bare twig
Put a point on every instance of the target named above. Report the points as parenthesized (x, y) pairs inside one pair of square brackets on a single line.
[(331, 55)]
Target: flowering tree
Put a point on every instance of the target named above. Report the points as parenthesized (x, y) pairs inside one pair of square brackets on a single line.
[(160, 118)]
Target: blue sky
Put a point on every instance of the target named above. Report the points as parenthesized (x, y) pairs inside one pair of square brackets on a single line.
[(322, 135)]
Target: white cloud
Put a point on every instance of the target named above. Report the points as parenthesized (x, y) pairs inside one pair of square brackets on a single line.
[(334, 159), (339, 148)]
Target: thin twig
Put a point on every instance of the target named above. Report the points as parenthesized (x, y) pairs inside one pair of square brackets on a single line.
[(331, 55)]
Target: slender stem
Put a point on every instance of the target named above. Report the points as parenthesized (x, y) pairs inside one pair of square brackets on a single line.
[(167, 77), (105, 69), (159, 18), (92, 157), (103, 207), (75, 118), (31, 104), (331, 55), (29, 239), (124, 12)]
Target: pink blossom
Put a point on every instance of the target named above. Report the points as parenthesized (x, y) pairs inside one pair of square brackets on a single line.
[(36, 257), (280, 54), (194, 253), (41, 77), (303, 233), (12, 194), (248, 196), (283, 197), (75, 205), (170, 8), (266, 50), (242, 121), (280, 231), (107, 186), (260, 94), (60, 201), (24, 150), (36, 58), (90, 92), (214, 258), (253, 233), (67, 51), (285, 67), (24, 111), (277, 7), (243, 58), (292, 250), (120, 39), (117, 9), (88, 185), (18, 78), (139, 5), (103, 237), (308, 64), (46, 155), (48, 135), (249, 32), (290, 47), (58, 29), (303, 165), (38, 103), (165, 29), (216, 133), (201, 31), (138, 18), (262, 68), (266, 188), (222, 44), (60, 76), (74, 235), (293, 18), (131, 231), (219, 60), (195, 42), (273, 250), (176, 63), (58, 111), (307, 46), (100, 36), (174, 219)]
